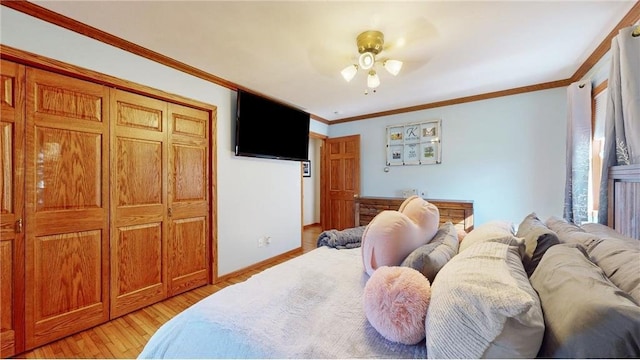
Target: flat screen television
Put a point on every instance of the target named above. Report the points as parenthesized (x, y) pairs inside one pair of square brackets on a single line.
[(269, 129)]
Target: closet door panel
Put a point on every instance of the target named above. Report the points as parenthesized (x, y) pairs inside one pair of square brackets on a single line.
[(68, 170), (139, 202), (189, 245), (11, 208), (60, 258), (67, 206)]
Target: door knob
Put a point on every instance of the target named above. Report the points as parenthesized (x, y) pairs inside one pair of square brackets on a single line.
[(18, 226)]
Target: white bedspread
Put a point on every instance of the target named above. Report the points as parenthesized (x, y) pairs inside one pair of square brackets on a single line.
[(307, 307)]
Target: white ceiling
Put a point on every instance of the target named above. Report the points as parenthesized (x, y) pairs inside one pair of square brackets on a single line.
[(293, 51)]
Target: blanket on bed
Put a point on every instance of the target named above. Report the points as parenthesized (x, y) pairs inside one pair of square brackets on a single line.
[(296, 309), (341, 239)]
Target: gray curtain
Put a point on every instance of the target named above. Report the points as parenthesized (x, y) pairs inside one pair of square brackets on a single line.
[(622, 121), (576, 191)]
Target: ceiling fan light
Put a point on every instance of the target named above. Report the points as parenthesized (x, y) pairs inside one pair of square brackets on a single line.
[(349, 72), (373, 81), (393, 66), (366, 60)]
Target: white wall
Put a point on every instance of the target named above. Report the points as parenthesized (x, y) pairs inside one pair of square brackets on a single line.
[(256, 197), (311, 186), (506, 154)]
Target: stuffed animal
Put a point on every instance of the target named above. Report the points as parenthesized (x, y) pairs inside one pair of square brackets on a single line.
[(392, 235), (396, 300)]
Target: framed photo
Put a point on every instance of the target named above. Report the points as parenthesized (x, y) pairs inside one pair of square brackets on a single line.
[(395, 155), (412, 154), (414, 143), (395, 135), (430, 153), (306, 168), (411, 133), (430, 131)]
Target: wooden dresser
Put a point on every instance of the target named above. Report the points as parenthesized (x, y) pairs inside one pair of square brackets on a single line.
[(459, 212)]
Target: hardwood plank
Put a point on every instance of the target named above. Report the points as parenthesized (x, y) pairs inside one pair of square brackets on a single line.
[(135, 326), (90, 346)]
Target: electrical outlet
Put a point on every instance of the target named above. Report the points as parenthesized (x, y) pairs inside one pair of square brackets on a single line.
[(409, 193), (264, 241)]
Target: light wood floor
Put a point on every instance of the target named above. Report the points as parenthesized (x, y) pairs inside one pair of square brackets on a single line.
[(125, 337)]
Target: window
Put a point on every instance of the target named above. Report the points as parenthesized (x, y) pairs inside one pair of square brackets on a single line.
[(599, 107)]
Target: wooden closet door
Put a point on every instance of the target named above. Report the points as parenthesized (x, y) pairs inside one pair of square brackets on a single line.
[(11, 209), (67, 206), (138, 202), (189, 244)]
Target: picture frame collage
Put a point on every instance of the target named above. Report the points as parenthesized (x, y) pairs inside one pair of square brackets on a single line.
[(414, 143)]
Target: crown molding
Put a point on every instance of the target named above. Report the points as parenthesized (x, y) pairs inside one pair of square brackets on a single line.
[(44, 14)]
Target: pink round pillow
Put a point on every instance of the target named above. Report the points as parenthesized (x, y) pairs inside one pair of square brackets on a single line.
[(396, 300)]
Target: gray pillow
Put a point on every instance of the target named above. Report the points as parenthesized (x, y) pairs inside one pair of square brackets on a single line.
[(538, 238), (617, 255), (585, 315), (570, 233), (431, 257), (620, 261), (605, 231)]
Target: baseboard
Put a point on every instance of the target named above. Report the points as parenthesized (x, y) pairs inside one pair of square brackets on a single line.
[(310, 225), (275, 259)]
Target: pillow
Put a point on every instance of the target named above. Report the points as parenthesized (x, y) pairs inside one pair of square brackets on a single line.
[(538, 238), (395, 302), (428, 259), (492, 230), (616, 254), (461, 235), (620, 262), (423, 213), (605, 231), (585, 314), (482, 305), (569, 233), (392, 235)]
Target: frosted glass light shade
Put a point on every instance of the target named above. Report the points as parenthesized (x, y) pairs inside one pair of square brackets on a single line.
[(373, 81), (349, 72), (393, 66), (366, 60)]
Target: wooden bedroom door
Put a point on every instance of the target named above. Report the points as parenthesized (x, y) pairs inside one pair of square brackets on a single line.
[(66, 206), (342, 181), (188, 200), (11, 209), (138, 201)]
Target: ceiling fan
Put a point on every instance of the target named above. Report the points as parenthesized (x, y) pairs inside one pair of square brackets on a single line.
[(370, 43)]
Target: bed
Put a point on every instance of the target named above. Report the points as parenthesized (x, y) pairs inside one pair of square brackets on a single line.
[(549, 289), (308, 307)]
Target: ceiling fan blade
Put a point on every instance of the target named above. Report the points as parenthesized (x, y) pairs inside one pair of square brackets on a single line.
[(416, 32)]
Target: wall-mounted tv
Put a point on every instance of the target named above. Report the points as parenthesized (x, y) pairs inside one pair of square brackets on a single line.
[(269, 129)]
